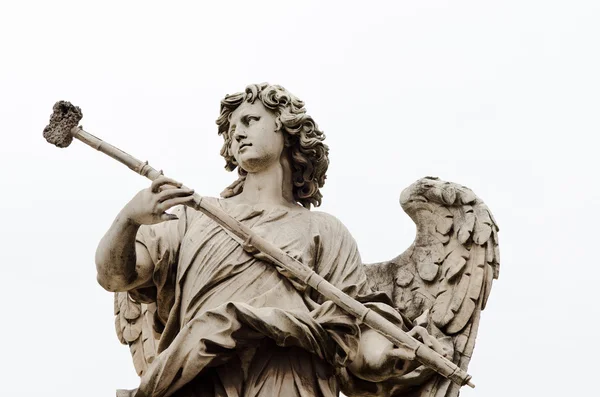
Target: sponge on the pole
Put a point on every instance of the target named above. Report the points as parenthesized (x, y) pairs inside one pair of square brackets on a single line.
[(64, 117)]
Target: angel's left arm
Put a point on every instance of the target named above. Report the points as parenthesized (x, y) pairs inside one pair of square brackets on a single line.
[(371, 356), (368, 354)]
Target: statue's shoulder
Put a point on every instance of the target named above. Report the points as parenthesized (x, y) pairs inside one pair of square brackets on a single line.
[(323, 217), (329, 225)]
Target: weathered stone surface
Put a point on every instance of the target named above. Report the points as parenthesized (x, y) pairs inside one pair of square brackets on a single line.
[(208, 313)]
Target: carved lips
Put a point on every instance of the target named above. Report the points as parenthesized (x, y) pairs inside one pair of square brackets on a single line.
[(244, 145)]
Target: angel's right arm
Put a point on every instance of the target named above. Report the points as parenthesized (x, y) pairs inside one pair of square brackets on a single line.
[(121, 262)]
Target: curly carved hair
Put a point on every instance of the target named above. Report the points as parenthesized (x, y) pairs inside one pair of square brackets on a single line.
[(303, 141)]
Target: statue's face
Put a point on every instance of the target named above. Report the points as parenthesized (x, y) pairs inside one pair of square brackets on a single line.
[(255, 143)]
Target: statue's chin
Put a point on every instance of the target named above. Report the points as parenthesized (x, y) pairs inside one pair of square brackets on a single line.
[(252, 163)]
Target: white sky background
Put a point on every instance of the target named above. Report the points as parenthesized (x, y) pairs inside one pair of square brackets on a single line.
[(502, 97)]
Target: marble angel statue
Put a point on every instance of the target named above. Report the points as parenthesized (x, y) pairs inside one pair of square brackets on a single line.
[(205, 317)]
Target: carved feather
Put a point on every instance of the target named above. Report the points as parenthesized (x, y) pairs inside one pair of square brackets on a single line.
[(139, 358), (148, 335), (127, 314), (465, 222), (426, 258), (466, 195), (483, 226), (489, 272), (473, 290), (455, 263), (489, 251), (445, 220)]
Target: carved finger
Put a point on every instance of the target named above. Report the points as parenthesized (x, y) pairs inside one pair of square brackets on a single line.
[(418, 332), (163, 180), (167, 187), (421, 333), (170, 203), (436, 345), (172, 193), (168, 217), (427, 339), (400, 354)]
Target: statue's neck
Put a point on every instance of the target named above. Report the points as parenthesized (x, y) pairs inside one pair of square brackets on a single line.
[(271, 186)]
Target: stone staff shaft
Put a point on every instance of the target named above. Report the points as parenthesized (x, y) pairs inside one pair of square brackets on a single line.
[(64, 127)]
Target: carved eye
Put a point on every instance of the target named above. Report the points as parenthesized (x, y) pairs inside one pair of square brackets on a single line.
[(250, 119)]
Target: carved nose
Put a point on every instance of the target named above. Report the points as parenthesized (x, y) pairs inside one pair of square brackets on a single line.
[(239, 135)]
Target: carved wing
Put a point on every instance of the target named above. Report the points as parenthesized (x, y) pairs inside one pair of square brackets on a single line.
[(446, 274), (134, 326)]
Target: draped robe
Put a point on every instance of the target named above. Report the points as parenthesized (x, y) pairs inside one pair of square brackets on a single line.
[(235, 325)]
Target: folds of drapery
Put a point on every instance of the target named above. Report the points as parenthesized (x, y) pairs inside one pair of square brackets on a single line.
[(215, 300)]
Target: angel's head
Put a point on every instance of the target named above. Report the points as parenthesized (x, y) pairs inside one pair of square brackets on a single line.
[(295, 136)]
